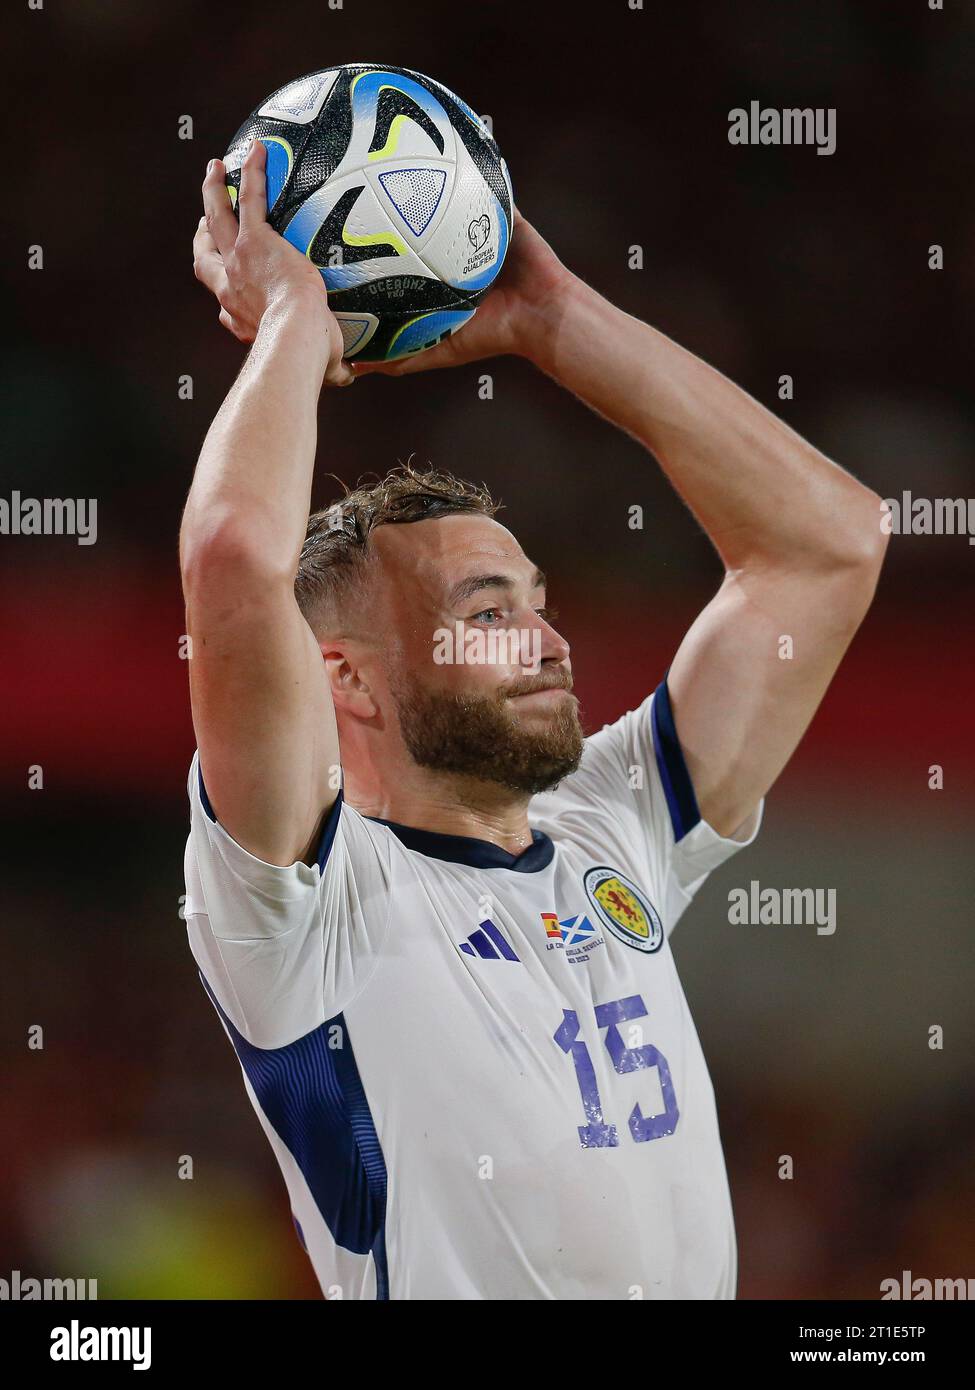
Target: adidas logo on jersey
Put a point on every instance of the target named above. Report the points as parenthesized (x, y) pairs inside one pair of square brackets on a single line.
[(487, 942)]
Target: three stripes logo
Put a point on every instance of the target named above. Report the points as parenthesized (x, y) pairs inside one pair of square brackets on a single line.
[(487, 942)]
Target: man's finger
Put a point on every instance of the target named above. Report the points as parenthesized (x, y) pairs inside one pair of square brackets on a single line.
[(202, 240), (221, 222), (208, 265), (210, 271), (339, 373), (252, 203), (230, 323)]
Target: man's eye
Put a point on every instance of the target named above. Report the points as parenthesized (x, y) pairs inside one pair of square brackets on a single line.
[(486, 615), (548, 614)]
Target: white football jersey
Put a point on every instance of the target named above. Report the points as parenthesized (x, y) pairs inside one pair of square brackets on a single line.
[(478, 1070)]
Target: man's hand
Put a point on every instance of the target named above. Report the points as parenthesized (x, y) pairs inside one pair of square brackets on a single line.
[(524, 304), (251, 269)]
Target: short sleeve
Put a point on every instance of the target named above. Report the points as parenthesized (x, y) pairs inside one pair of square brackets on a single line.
[(283, 948), (632, 797)]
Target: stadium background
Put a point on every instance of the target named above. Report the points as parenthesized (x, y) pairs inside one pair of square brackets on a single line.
[(765, 261)]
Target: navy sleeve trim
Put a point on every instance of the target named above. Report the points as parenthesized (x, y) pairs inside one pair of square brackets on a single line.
[(328, 833), (329, 827), (678, 788), (204, 798)]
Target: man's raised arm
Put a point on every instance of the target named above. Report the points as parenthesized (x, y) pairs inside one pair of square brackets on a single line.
[(800, 540), (262, 709)]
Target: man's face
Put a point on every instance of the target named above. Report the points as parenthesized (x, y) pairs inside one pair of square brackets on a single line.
[(479, 678)]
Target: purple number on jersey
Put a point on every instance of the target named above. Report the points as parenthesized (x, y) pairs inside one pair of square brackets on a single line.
[(597, 1134)]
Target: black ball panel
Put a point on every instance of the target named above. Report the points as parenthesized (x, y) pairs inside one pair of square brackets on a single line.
[(411, 294)]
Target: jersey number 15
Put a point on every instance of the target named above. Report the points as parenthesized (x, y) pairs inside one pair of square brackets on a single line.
[(597, 1134)]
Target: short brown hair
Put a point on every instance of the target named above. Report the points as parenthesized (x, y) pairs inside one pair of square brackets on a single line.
[(333, 557)]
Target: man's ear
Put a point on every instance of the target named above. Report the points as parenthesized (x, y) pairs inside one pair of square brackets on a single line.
[(350, 689)]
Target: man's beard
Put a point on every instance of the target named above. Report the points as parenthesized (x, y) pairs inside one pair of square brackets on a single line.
[(477, 736)]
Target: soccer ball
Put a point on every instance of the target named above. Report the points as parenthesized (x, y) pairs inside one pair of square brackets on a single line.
[(395, 189)]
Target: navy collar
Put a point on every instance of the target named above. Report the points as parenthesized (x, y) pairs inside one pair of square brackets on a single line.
[(465, 849)]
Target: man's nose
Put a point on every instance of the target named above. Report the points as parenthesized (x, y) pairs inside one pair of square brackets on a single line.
[(542, 644)]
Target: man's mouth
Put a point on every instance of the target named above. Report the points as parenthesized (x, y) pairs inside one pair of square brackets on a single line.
[(543, 694)]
